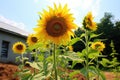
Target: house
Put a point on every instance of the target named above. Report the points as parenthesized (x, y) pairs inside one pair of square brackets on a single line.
[(8, 36)]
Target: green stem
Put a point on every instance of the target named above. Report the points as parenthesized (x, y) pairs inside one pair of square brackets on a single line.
[(97, 66), (22, 59), (87, 46), (54, 65), (44, 68), (35, 60)]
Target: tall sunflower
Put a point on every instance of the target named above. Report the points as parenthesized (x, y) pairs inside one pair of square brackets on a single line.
[(98, 46), (89, 23), (19, 48), (55, 25), (32, 39)]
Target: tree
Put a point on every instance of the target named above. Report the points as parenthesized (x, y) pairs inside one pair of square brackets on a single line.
[(78, 46), (116, 37), (111, 31), (106, 26)]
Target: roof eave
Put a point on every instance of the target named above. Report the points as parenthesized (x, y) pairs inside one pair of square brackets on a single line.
[(13, 33)]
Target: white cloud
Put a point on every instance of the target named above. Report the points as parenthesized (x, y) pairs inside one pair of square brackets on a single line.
[(80, 7), (13, 23)]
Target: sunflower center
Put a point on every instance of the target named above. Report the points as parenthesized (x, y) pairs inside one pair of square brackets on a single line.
[(19, 47), (56, 27), (34, 39), (97, 46), (90, 21)]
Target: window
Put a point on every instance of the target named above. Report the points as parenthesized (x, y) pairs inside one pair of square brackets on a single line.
[(4, 49)]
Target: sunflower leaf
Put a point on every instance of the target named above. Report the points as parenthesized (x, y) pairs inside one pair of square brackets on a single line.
[(73, 41), (92, 35), (35, 46)]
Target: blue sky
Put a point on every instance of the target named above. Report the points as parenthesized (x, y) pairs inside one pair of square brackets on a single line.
[(24, 13)]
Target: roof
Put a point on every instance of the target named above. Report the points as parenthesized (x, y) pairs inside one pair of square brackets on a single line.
[(13, 30)]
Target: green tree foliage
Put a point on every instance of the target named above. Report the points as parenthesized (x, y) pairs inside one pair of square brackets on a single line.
[(106, 28), (111, 31), (78, 46), (116, 38)]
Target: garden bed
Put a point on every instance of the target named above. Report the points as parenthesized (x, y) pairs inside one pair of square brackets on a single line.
[(7, 72)]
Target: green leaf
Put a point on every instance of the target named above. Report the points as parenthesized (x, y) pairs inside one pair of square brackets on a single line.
[(95, 40), (39, 76), (93, 35), (102, 75), (105, 62), (49, 58), (83, 71), (26, 71), (34, 64), (92, 55), (17, 59), (75, 57), (74, 63), (26, 76), (81, 55), (74, 40), (39, 65), (82, 35), (84, 51), (35, 46), (25, 58), (73, 73), (40, 57), (97, 72)]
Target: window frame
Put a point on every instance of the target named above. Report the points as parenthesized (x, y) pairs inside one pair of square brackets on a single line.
[(4, 48)]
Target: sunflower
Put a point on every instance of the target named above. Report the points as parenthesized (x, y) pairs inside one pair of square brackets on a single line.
[(89, 23), (19, 48), (70, 48), (55, 25), (32, 39), (98, 46)]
